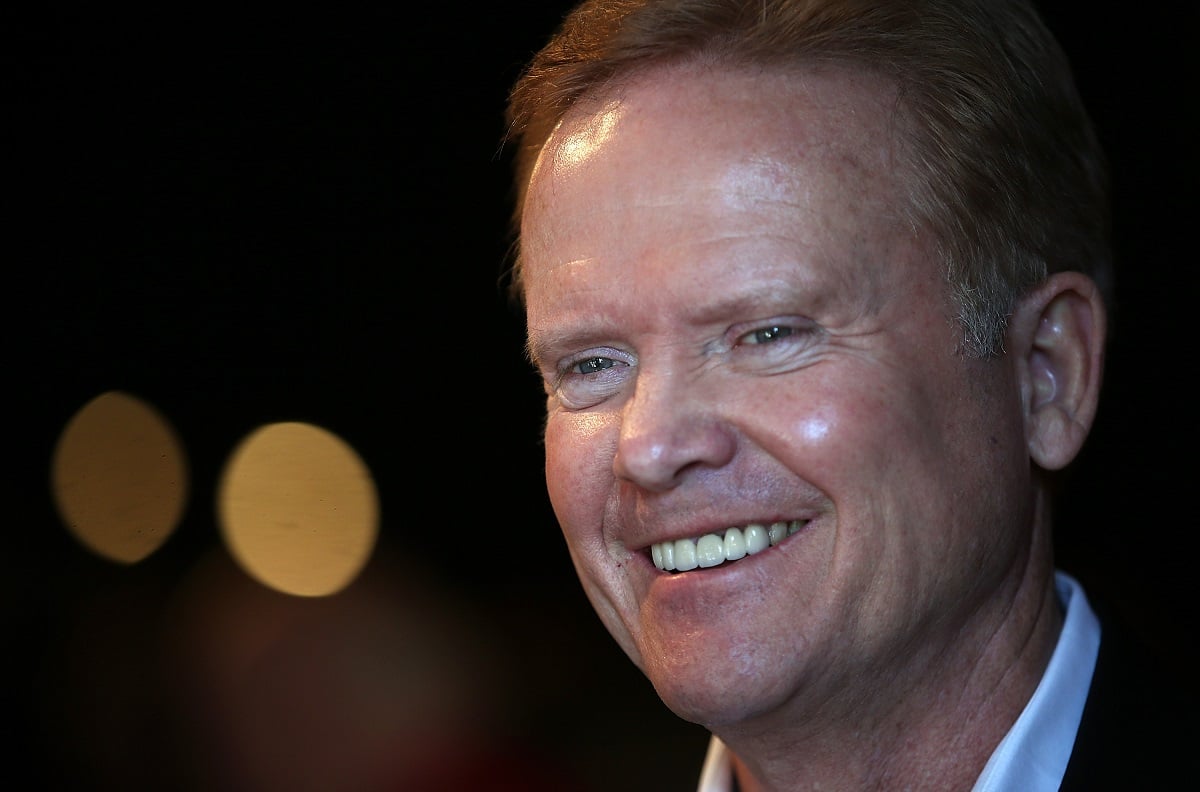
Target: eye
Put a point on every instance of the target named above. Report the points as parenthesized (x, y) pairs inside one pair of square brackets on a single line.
[(594, 364), (766, 335), (591, 378), (775, 345)]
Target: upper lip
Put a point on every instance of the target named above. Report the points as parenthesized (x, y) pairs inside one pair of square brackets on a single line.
[(694, 531), (638, 519)]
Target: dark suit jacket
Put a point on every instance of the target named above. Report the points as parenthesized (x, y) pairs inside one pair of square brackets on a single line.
[(1139, 727)]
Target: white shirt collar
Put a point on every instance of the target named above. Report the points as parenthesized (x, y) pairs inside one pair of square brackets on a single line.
[(1033, 756)]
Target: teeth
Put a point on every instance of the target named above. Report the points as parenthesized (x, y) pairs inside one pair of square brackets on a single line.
[(757, 538), (735, 544), (711, 550)]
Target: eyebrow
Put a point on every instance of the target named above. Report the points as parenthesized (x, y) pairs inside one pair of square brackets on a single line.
[(775, 295), (577, 333)]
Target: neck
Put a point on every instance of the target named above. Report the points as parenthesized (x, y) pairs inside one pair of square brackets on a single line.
[(960, 697)]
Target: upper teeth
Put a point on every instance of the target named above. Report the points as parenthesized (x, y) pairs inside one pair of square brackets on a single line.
[(712, 549)]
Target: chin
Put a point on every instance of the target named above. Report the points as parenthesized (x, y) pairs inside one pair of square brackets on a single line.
[(715, 689), (715, 706)]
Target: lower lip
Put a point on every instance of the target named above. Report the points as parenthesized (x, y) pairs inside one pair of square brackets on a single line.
[(702, 596)]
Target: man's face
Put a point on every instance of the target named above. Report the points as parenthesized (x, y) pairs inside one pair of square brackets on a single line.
[(737, 327)]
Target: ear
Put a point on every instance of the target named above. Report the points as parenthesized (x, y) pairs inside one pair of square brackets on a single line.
[(1057, 338)]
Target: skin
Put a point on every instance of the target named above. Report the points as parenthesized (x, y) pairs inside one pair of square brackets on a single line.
[(734, 325)]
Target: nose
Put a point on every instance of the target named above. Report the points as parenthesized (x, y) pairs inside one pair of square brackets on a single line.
[(669, 428)]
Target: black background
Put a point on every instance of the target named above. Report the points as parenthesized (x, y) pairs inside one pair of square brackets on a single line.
[(251, 217)]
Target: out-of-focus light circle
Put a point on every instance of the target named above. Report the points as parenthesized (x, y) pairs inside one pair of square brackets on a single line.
[(298, 509), (119, 477)]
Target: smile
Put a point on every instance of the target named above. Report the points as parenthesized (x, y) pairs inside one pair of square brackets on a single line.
[(711, 549)]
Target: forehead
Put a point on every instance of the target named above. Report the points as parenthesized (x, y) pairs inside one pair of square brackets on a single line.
[(820, 142), (694, 154), (758, 124)]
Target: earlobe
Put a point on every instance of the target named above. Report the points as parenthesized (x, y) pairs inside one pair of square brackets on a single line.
[(1058, 332)]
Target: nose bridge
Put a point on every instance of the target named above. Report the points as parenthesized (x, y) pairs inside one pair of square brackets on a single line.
[(670, 424)]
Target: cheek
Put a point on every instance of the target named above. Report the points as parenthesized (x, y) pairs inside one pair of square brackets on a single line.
[(579, 455), (844, 440), (828, 431), (812, 430)]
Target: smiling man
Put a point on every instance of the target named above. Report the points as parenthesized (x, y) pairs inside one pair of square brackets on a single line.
[(818, 294)]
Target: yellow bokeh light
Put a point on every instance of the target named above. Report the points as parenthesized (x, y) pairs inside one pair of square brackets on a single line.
[(119, 477), (298, 509)]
